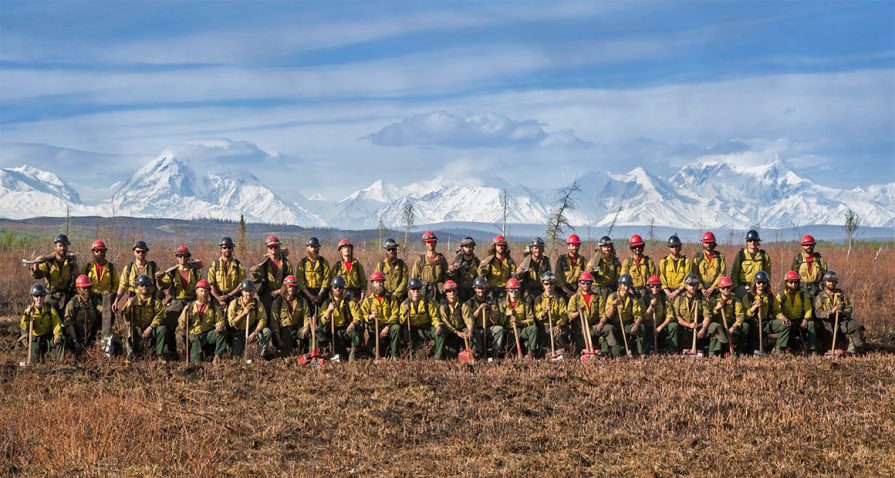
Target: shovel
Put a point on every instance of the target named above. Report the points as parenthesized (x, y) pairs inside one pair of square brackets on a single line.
[(693, 353), (621, 323), (27, 361), (760, 351), (587, 355), (516, 334), (467, 355), (315, 357), (553, 355), (726, 329), (834, 352)]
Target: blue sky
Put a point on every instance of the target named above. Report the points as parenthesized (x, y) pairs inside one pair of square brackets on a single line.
[(346, 93)]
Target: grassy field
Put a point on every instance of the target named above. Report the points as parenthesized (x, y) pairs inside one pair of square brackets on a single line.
[(657, 417)]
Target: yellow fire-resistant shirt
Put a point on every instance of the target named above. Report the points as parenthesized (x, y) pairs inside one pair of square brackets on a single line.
[(131, 272), (746, 265), (464, 276), (213, 317), (420, 313), (591, 310), (431, 272), (46, 320), (355, 278), (274, 281), (629, 309), (450, 316), (289, 315), (385, 304), (172, 281), (397, 276), (60, 276), (770, 307), (672, 272), (79, 312), (143, 313), (825, 301), (568, 270), (661, 310), (733, 311), (498, 272), (469, 308), (344, 312), (313, 274), (606, 271), (522, 310), (640, 271), (811, 271), (709, 268), (558, 310), (536, 268), (257, 318), (107, 281), (684, 308), (226, 276), (796, 307)]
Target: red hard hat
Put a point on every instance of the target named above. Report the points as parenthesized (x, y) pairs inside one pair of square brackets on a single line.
[(98, 245), (573, 239), (513, 283), (654, 280), (792, 275), (708, 237), (345, 243), (375, 276), (272, 241), (725, 281), (585, 277), (182, 251), (635, 241), (499, 240), (290, 280), (203, 284), (451, 285), (429, 236), (808, 241), (83, 281)]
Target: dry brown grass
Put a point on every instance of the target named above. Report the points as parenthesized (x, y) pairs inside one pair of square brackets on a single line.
[(661, 417)]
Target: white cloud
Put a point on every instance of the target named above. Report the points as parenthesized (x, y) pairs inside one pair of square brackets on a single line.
[(439, 128)]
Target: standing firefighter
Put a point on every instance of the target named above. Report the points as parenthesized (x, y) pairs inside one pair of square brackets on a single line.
[(498, 267), (660, 311), (569, 267), (549, 308), (532, 267), (639, 266), (248, 313), (622, 309), (179, 282), (43, 322), (60, 272), (690, 309), (709, 265), (313, 274), (673, 269), (205, 322), (729, 311), (225, 274), (395, 271), (463, 269), (144, 316), (480, 314), (449, 324), (83, 316), (415, 317), (268, 276), (350, 269), (340, 322), (811, 267), (748, 262), (584, 312), (522, 331), (127, 286), (832, 303), (797, 306), (290, 312), (760, 305), (605, 268), (380, 308), (102, 273), (431, 269)]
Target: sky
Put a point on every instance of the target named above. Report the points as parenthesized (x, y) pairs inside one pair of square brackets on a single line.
[(326, 98)]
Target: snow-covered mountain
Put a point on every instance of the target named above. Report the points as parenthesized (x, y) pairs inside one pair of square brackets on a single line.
[(29, 192), (168, 187), (703, 194)]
